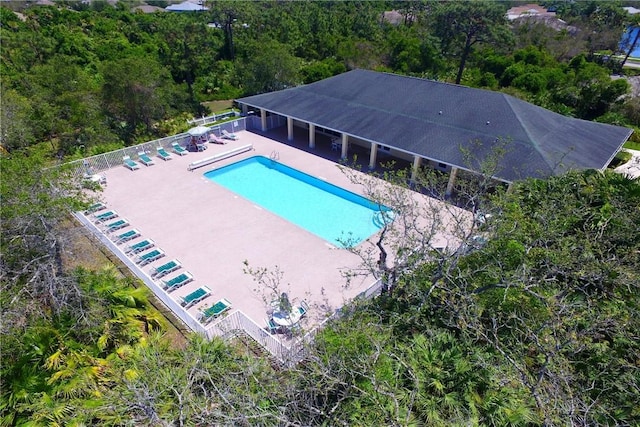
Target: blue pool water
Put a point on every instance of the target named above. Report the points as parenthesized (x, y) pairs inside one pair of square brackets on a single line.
[(323, 209)]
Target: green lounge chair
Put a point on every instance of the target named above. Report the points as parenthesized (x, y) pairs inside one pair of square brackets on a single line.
[(130, 164), (95, 208), (165, 269), (106, 216), (140, 246), (162, 153), (125, 237), (145, 259), (177, 282), (177, 148), (145, 159), (195, 297), (215, 310), (116, 225), (272, 327)]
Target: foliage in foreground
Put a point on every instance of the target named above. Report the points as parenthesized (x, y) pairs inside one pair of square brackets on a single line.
[(537, 327)]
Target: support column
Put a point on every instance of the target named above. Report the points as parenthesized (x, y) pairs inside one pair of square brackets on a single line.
[(245, 109), (417, 161), (345, 145), (509, 187), (289, 128), (263, 120), (373, 155), (452, 181), (312, 135)]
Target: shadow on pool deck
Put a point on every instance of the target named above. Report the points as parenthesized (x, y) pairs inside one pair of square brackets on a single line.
[(323, 149), (214, 232)]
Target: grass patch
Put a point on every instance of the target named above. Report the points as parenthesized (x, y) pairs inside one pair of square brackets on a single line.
[(218, 107), (632, 145)]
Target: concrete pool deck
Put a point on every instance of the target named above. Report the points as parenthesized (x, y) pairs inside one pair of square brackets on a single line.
[(213, 231)]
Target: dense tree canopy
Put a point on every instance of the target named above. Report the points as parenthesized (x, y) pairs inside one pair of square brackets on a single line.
[(533, 320), (537, 326), (65, 67)]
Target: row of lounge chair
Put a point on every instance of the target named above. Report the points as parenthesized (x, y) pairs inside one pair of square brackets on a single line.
[(144, 252), (145, 159), (162, 153)]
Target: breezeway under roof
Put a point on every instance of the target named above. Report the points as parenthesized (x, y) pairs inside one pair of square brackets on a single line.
[(428, 120)]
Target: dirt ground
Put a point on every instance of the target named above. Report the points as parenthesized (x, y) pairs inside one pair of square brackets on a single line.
[(635, 85)]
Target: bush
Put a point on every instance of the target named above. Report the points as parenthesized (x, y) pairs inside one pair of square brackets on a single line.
[(620, 159)]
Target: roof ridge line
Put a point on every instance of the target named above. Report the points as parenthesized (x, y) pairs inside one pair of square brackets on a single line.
[(534, 142), (435, 123)]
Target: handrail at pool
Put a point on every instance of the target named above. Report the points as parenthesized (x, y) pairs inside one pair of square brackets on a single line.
[(219, 156)]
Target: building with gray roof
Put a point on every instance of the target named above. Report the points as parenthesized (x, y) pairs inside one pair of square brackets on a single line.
[(428, 121)]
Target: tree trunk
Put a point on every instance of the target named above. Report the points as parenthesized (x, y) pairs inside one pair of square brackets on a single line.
[(463, 59), (633, 45)]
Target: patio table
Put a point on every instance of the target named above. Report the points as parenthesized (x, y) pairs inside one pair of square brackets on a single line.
[(287, 319)]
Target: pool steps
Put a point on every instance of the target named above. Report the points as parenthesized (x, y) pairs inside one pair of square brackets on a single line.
[(218, 157)]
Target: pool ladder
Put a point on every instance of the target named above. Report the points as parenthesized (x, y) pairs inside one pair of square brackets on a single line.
[(274, 155), (383, 218)]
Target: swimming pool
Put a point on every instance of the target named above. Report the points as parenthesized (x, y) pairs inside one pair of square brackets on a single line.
[(328, 211)]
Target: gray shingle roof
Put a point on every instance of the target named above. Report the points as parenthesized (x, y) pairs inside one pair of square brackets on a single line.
[(434, 120)]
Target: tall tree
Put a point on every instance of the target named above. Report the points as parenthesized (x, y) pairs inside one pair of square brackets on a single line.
[(137, 92), (633, 39), (462, 25), (272, 67), (16, 127)]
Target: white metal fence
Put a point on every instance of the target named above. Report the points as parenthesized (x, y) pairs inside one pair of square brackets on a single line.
[(157, 290), (235, 323), (232, 325), (203, 121), (273, 121), (239, 323), (102, 162)]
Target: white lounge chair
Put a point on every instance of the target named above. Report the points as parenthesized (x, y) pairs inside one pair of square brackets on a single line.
[(140, 246), (116, 225), (177, 282), (145, 159), (126, 236), (215, 139), (106, 216), (228, 135), (177, 148), (130, 164), (162, 153), (148, 257), (95, 208), (195, 297), (208, 314), (165, 269)]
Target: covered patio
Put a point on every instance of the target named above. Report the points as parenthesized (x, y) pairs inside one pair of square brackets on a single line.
[(448, 127)]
